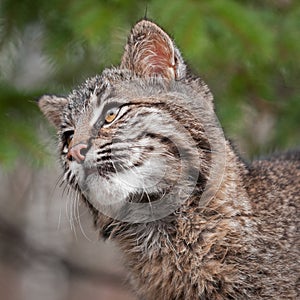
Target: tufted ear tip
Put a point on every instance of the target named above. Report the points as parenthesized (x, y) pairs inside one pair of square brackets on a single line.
[(151, 52), (52, 107)]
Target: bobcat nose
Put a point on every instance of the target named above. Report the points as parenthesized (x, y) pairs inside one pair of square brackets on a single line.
[(77, 152)]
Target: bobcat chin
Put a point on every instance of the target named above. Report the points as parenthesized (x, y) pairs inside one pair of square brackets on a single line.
[(143, 147)]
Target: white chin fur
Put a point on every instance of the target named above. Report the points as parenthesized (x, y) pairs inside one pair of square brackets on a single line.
[(115, 189)]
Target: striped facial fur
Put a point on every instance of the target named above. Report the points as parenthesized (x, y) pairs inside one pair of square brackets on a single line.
[(142, 146), (132, 135)]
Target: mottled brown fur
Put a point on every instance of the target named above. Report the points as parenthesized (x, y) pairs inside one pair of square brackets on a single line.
[(243, 245), (243, 241)]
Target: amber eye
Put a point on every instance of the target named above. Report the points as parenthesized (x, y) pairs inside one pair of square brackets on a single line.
[(111, 115)]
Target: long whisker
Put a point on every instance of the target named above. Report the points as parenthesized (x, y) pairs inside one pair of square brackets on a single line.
[(77, 201), (69, 211), (57, 184)]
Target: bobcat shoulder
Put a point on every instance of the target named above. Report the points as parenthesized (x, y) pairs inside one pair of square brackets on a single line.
[(142, 146)]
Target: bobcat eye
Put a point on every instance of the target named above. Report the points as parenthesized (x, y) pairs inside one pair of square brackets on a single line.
[(67, 139), (111, 115)]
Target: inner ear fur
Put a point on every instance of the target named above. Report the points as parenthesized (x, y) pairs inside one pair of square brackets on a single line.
[(52, 107), (151, 52)]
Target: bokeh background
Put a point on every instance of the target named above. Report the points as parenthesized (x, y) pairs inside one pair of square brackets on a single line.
[(248, 51)]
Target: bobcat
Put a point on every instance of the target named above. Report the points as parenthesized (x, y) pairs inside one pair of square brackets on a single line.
[(143, 147)]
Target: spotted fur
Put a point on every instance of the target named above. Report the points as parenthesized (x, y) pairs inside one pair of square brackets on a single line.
[(235, 235)]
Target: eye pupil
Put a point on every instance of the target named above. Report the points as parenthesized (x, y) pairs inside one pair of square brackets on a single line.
[(110, 116)]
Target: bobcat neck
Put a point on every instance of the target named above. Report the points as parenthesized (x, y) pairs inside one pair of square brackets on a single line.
[(195, 251), (147, 128)]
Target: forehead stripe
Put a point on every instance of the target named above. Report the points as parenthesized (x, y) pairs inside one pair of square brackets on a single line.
[(93, 98), (96, 114)]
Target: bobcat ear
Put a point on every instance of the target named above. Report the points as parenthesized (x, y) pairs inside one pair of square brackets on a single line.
[(150, 51), (52, 107)]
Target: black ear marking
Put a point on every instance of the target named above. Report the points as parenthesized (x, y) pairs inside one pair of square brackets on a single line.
[(146, 12)]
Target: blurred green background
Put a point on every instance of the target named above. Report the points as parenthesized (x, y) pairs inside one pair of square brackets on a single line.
[(247, 51)]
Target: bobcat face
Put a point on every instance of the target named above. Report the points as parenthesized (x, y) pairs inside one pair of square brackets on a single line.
[(133, 137)]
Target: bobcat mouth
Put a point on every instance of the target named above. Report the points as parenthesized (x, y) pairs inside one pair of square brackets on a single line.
[(102, 171)]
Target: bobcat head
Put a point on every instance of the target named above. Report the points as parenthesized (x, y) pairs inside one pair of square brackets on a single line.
[(139, 139)]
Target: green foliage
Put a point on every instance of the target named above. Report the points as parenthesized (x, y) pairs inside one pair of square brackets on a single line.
[(18, 136), (247, 51)]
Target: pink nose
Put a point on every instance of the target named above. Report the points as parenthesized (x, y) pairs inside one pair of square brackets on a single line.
[(75, 152)]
